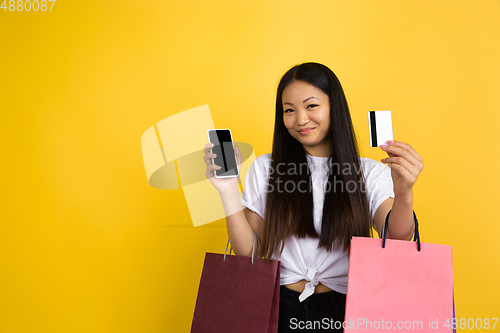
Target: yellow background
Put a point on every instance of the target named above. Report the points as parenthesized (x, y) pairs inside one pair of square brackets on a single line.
[(86, 245)]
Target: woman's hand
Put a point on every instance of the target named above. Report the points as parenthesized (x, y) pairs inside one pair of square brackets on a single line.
[(405, 163), (220, 184)]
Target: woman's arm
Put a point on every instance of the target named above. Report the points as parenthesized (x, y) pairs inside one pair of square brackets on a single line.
[(406, 165), (401, 224), (239, 230)]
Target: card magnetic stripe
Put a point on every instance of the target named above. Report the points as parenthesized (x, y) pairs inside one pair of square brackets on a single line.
[(373, 126)]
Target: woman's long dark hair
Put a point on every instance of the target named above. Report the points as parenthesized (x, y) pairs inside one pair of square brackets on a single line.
[(345, 212)]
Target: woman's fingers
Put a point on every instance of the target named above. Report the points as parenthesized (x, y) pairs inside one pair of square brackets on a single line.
[(407, 152), (208, 155), (400, 163), (213, 167), (211, 170), (208, 158), (399, 151), (408, 148), (409, 177), (237, 153), (208, 146), (404, 160)]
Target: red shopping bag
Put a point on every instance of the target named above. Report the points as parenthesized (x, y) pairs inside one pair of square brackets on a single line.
[(237, 295), (399, 285)]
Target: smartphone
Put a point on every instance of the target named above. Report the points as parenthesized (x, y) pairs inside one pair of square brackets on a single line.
[(224, 149), (380, 127)]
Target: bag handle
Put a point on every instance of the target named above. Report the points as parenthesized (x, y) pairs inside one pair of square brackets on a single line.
[(253, 246), (416, 236)]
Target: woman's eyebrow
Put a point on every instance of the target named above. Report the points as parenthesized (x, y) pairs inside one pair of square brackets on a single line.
[(304, 100)]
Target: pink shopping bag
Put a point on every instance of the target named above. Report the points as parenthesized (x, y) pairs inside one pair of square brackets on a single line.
[(399, 285)]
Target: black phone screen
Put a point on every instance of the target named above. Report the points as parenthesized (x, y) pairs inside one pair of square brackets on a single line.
[(223, 148)]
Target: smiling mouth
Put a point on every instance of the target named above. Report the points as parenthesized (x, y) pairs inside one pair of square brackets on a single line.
[(307, 130)]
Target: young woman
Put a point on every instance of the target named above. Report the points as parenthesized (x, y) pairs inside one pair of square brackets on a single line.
[(307, 198)]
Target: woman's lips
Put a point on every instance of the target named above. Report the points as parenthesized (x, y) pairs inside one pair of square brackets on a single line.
[(307, 131)]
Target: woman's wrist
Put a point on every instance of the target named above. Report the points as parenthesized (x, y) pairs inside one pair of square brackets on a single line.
[(406, 198), (231, 200), (231, 191)]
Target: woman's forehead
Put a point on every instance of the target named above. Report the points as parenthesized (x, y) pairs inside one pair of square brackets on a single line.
[(300, 92)]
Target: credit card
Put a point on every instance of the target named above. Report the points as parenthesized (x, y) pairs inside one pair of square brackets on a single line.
[(380, 127)]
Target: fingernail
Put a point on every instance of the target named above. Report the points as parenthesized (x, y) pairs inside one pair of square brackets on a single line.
[(384, 147), (390, 142), (237, 148)]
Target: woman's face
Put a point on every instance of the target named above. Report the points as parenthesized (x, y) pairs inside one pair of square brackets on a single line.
[(307, 107)]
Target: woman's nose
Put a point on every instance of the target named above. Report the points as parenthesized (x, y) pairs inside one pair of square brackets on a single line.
[(302, 118)]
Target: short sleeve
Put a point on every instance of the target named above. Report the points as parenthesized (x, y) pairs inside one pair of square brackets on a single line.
[(254, 191), (379, 185)]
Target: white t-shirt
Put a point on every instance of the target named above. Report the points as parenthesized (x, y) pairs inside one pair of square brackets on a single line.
[(301, 259)]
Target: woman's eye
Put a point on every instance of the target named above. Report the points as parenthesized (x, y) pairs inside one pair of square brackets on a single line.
[(313, 105), (286, 111)]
